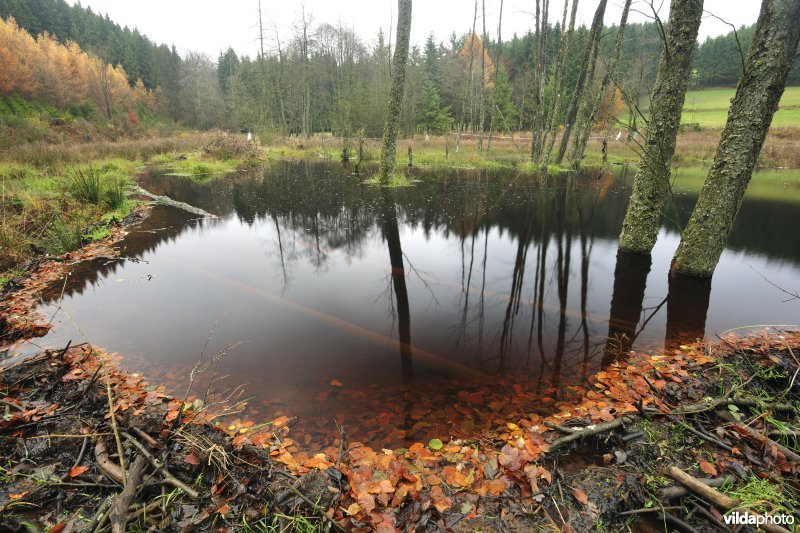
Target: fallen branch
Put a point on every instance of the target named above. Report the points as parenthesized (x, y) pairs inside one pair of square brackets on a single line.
[(165, 200), (755, 435), (119, 511), (166, 474), (104, 462), (678, 491), (587, 431), (720, 500)]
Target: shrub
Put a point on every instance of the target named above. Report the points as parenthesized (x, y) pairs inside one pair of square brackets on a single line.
[(86, 185), (114, 194), (63, 237)]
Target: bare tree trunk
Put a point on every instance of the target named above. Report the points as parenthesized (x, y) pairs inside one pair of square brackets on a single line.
[(558, 83), (389, 147), (585, 129), (470, 83), (496, 66), (587, 65), (761, 85), (537, 130), (483, 79), (306, 120), (651, 184)]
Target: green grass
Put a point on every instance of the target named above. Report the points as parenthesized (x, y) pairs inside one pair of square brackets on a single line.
[(195, 166), (58, 209), (709, 108), (765, 495)]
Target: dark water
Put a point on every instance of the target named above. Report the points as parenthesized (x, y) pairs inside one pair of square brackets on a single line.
[(440, 309)]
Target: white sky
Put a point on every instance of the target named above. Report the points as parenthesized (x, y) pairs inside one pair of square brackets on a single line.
[(212, 25)]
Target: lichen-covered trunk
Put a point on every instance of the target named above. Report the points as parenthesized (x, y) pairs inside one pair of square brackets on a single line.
[(761, 85), (651, 184), (389, 146)]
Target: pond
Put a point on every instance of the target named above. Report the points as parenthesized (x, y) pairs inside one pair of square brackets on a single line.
[(436, 310)]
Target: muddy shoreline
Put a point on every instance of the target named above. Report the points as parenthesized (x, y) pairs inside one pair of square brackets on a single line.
[(584, 467)]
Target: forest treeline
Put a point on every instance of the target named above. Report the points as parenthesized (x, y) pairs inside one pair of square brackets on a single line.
[(325, 78)]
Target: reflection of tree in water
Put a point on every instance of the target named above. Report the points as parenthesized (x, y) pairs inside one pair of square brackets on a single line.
[(314, 209)]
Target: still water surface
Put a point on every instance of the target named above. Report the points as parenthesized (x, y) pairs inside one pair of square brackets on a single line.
[(429, 311)]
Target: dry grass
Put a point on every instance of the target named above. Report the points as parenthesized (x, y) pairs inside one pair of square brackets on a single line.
[(42, 155)]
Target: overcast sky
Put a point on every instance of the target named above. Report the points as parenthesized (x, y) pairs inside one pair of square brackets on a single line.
[(212, 25)]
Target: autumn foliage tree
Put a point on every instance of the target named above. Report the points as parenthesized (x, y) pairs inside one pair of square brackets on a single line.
[(63, 75)]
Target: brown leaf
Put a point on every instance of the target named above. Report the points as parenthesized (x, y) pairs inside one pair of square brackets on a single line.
[(708, 468), (191, 459), (581, 496), (76, 471)]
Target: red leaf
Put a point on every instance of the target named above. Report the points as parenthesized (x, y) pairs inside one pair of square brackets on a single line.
[(76, 471)]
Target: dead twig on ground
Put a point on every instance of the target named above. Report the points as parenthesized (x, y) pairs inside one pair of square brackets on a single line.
[(720, 500), (119, 511), (167, 475)]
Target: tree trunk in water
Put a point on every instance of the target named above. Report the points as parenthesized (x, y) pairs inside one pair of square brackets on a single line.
[(586, 65), (651, 184), (389, 147), (585, 129), (627, 299), (761, 85)]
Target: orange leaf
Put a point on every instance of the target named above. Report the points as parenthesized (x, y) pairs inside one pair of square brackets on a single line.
[(708, 468), (76, 471), (581, 496), (172, 415)]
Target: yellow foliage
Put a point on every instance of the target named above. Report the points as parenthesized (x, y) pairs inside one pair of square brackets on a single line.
[(63, 75), (475, 43)]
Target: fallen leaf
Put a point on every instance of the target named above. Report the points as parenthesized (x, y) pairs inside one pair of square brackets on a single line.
[(191, 459), (708, 468), (435, 444), (581, 496), (76, 471), (336, 383)]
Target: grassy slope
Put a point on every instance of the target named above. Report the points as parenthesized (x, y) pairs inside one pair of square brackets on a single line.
[(709, 108)]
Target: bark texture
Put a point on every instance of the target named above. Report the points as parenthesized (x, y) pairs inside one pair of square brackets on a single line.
[(389, 146), (761, 85), (651, 184)]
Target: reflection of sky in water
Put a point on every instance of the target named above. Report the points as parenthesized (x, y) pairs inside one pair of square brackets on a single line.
[(306, 286)]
